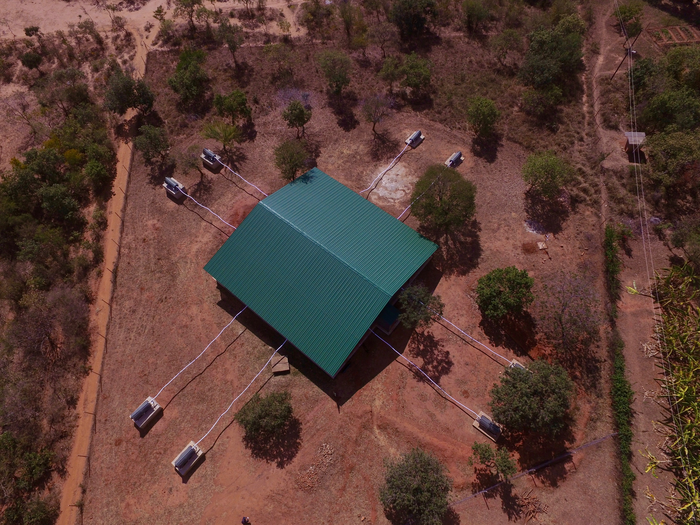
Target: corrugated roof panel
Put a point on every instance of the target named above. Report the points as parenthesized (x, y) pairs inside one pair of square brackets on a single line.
[(318, 263)]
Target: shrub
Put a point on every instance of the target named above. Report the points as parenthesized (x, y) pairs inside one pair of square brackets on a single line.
[(499, 463), (547, 173), (190, 81), (504, 292), (482, 115), (507, 41), (420, 307), (475, 13), (263, 416), (416, 489), (31, 60), (537, 399), (290, 158), (445, 201)]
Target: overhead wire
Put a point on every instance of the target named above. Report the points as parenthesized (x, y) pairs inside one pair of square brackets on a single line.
[(391, 165), (476, 415), (210, 211), (239, 395), (201, 353)]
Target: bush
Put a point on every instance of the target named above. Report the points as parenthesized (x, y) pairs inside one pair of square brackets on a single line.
[(542, 103), (416, 489), (475, 13), (445, 201), (504, 292), (547, 173), (31, 60), (262, 417), (613, 264), (499, 463), (482, 115), (420, 307), (507, 41), (190, 81), (290, 158), (336, 67), (537, 399)]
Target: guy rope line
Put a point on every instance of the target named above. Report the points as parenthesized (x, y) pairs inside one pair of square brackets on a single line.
[(239, 395), (201, 354), (393, 163), (426, 375), (210, 211), (240, 177)]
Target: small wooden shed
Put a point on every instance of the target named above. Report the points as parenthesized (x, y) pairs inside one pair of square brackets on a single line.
[(635, 140)]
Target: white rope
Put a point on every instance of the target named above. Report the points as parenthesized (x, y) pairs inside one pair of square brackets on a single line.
[(239, 395), (217, 216), (393, 163), (201, 354), (419, 196), (239, 176), (426, 375)]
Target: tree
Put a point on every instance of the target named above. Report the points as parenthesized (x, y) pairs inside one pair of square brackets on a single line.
[(445, 201), (537, 399), (123, 92), (31, 60), (296, 116), (190, 81), (504, 292), (144, 98), (264, 416), (567, 312), (420, 307), (187, 9), (391, 71), (498, 463), (416, 489), (234, 106), (232, 35), (673, 110), (546, 173), (336, 67), (675, 160), (416, 72), (687, 237), (290, 158), (226, 134), (475, 13), (482, 115), (382, 34), (248, 4), (153, 144), (98, 175), (317, 17), (412, 17), (503, 43), (375, 109)]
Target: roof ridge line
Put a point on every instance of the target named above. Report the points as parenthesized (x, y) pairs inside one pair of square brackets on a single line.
[(344, 262)]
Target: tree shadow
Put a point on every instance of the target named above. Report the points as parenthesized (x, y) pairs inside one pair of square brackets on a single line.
[(451, 517), (382, 145), (248, 130), (242, 73), (437, 361), (511, 503), (279, 448), (486, 148), (128, 129), (537, 449), (202, 188), (459, 252), (517, 334), (342, 107), (157, 171), (549, 214)]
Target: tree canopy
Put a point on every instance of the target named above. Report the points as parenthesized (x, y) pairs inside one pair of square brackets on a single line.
[(445, 201), (190, 81), (412, 17), (124, 92), (416, 489), (504, 292), (290, 158), (263, 416), (234, 106), (420, 307), (482, 115), (296, 116), (336, 67), (547, 173), (536, 399)]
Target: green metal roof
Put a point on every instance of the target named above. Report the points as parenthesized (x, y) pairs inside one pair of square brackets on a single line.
[(319, 263)]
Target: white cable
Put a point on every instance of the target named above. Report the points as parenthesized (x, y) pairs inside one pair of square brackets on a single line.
[(239, 395), (201, 354), (426, 375), (419, 196), (393, 163), (239, 176), (215, 215)]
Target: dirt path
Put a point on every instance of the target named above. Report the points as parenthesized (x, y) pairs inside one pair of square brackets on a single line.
[(79, 460)]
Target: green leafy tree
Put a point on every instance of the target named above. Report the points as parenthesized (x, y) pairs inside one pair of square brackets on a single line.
[(144, 98), (420, 307), (675, 161), (482, 115), (475, 14), (534, 400), (504, 292), (547, 173), (506, 42), (232, 35), (234, 106), (416, 72), (31, 60), (153, 144), (374, 109), (190, 81), (290, 158), (336, 67), (226, 134), (687, 237), (416, 489), (317, 18), (445, 201), (673, 110), (412, 17), (542, 103), (188, 9), (264, 416), (123, 92), (99, 176), (296, 116), (498, 463), (391, 71)]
